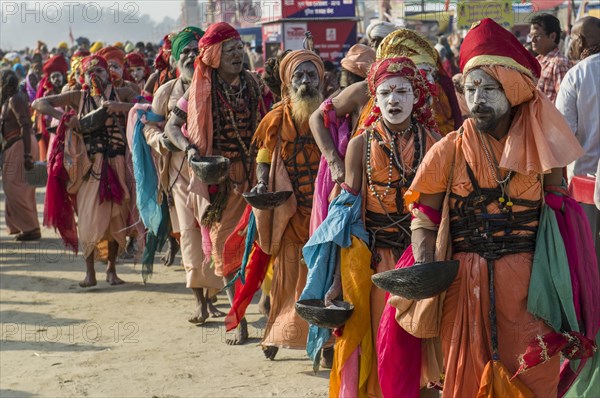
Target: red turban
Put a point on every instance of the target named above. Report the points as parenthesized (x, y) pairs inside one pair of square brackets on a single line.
[(93, 61), (57, 63), (113, 54), (404, 67), (81, 53), (488, 43), (218, 33), (135, 59)]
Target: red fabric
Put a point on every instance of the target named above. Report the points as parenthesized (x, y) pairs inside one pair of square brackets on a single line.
[(217, 33), (135, 59), (57, 63), (256, 269), (110, 187), (59, 206), (233, 249), (113, 53), (489, 38), (398, 378), (93, 61), (582, 188), (435, 216), (81, 53)]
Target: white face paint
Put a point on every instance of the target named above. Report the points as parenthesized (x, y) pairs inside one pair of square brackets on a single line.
[(137, 73), (486, 100), (395, 98), (429, 71)]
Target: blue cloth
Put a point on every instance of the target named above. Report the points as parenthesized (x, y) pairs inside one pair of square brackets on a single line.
[(146, 177), (344, 219)]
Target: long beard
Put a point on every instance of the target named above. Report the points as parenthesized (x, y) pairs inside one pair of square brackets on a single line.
[(304, 102)]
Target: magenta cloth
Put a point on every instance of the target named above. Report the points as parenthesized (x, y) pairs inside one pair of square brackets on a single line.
[(59, 206), (434, 215), (583, 265), (340, 134), (398, 352)]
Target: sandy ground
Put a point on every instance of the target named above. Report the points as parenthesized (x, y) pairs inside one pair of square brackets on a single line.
[(127, 341)]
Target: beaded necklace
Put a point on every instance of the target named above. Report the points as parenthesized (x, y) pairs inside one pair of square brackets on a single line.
[(393, 156), (502, 200)]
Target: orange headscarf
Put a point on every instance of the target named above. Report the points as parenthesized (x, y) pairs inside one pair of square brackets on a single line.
[(291, 61), (358, 59)]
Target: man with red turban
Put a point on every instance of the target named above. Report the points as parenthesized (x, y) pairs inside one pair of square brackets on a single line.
[(119, 75), (495, 168), (284, 138), (97, 170), (54, 78), (222, 115), (138, 69), (380, 164), (165, 70)]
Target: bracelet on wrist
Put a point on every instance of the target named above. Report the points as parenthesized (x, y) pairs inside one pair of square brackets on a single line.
[(189, 146), (261, 182)]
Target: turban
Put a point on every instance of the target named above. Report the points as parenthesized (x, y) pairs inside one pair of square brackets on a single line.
[(161, 62), (358, 59), (63, 45), (408, 43), (404, 67), (488, 43), (539, 138), (129, 47), (96, 47), (82, 40), (118, 44), (135, 59), (112, 53), (75, 65), (183, 38), (291, 61), (218, 33), (57, 63), (379, 29), (81, 53), (93, 61)]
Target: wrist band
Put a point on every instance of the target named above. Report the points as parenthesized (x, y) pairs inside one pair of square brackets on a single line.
[(263, 156), (190, 146), (179, 112)]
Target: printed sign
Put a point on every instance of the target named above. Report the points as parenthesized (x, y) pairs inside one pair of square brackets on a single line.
[(470, 12)]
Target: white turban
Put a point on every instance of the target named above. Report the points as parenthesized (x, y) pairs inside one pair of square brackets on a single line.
[(380, 29)]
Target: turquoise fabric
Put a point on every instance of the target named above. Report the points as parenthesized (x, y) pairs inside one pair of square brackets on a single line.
[(344, 219)]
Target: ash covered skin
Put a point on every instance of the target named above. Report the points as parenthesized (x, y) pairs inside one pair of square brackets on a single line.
[(486, 100)]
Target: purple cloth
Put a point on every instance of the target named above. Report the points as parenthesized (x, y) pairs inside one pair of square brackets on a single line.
[(398, 352), (340, 133), (583, 266)]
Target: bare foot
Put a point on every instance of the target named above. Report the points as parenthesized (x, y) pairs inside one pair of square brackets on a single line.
[(197, 320), (214, 311), (88, 281), (270, 352), (264, 305), (113, 279), (241, 334), (172, 248)]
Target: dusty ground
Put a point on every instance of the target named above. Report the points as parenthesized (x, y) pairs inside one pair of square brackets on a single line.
[(127, 341)]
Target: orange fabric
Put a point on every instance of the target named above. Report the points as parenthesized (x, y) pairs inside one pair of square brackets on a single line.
[(442, 112), (358, 59), (291, 61), (496, 383), (540, 139), (465, 323)]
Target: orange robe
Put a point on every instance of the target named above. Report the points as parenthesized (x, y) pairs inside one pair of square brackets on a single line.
[(465, 329), (302, 156), (386, 258)]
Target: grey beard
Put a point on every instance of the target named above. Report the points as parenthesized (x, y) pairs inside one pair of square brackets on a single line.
[(304, 106)]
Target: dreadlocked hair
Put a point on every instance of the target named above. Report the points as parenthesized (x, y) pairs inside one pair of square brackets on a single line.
[(271, 76), (10, 84)]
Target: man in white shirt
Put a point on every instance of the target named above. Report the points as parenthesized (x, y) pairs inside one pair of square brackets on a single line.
[(579, 101)]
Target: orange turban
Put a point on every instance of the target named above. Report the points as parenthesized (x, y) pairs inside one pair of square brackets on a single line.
[(114, 54), (358, 59), (291, 61)]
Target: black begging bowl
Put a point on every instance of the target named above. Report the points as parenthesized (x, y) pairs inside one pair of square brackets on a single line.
[(94, 120), (314, 312), (267, 200), (420, 281), (211, 170)]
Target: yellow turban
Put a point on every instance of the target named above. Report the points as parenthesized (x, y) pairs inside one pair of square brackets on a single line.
[(408, 43), (97, 46), (62, 44)]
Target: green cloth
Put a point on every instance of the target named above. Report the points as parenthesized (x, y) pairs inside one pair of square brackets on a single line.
[(183, 38), (588, 381), (550, 292)]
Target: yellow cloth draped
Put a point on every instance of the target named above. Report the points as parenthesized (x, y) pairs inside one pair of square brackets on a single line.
[(356, 284)]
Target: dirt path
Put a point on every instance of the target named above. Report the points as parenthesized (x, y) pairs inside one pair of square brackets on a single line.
[(128, 341)]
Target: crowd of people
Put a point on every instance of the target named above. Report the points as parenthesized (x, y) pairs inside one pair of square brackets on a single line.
[(473, 149)]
